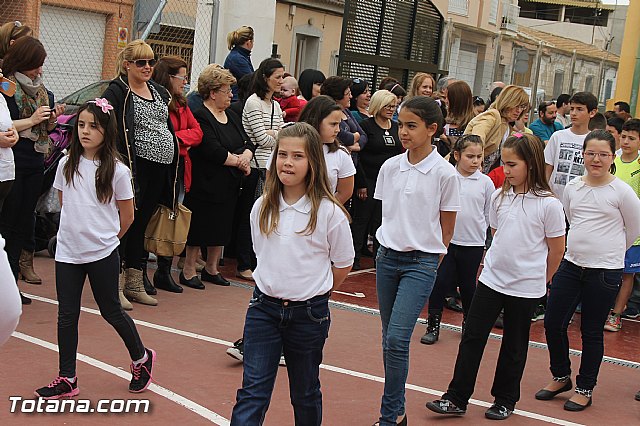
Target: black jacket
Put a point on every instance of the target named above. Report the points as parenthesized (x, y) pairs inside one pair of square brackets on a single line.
[(118, 94)]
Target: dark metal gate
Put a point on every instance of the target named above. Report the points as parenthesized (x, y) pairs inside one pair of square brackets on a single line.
[(394, 38)]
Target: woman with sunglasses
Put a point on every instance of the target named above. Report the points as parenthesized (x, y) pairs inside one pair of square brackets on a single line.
[(149, 147)]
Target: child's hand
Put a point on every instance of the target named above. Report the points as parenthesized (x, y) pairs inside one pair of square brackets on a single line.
[(284, 114), (8, 138)]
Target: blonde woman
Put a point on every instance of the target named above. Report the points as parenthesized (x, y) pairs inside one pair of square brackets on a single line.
[(496, 124), (422, 85), (238, 61), (148, 146)]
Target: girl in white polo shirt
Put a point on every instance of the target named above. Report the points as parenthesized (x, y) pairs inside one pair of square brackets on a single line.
[(528, 226), (602, 211), (420, 195), (302, 241), (459, 268), (97, 209)]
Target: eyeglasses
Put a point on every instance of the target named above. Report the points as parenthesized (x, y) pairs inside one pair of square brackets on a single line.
[(390, 107), (602, 155), (523, 106), (226, 92), (179, 77), (141, 63)]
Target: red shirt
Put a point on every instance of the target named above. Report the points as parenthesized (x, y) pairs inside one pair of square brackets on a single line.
[(292, 106), (497, 176), (189, 134)]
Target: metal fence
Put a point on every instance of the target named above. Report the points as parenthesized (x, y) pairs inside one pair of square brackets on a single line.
[(82, 38)]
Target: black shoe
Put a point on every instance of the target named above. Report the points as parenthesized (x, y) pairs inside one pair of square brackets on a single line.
[(638, 396), (148, 287), (546, 395), (162, 278), (444, 406), (574, 406), (192, 282), (356, 265), (141, 375), (498, 412), (452, 303), (216, 279), (237, 350), (25, 300), (433, 329), (500, 321)]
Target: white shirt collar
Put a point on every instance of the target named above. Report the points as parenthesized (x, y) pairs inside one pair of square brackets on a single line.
[(474, 176), (423, 166), (303, 205)]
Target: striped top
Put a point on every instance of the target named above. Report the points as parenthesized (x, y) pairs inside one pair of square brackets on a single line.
[(259, 116)]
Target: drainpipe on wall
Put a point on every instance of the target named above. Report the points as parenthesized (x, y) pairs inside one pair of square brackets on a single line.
[(572, 70)]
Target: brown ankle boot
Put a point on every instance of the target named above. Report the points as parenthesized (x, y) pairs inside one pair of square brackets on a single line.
[(134, 288), (26, 268), (124, 302)]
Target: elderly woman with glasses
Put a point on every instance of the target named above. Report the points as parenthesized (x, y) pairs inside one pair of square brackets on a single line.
[(382, 143), (148, 146), (496, 124), (219, 163)]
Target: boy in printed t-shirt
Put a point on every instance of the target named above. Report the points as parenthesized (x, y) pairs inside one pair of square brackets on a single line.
[(563, 153), (628, 170)]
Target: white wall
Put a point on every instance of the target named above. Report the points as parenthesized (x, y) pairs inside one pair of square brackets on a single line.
[(578, 32)]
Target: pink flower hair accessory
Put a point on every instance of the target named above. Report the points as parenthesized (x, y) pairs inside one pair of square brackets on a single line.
[(103, 104), (518, 135)]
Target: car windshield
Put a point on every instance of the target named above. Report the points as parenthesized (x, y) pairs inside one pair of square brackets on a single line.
[(92, 91)]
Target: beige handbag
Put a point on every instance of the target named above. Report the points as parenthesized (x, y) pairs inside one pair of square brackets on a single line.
[(167, 230)]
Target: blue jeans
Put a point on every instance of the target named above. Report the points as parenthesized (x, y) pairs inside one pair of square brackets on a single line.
[(597, 290), (404, 281), (271, 325)]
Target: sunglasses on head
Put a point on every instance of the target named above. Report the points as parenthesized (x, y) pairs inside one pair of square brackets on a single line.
[(141, 63)]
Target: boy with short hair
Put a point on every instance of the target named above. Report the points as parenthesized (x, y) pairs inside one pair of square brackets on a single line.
[(614, 126), (627, 170), (563, 153), (562, 103)]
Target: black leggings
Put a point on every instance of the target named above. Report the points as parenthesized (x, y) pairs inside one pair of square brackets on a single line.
[(103, 277), (459, 268), (151, 178)]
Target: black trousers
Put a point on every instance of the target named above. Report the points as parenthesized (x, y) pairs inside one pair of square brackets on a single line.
[(103, 277), (17, 217), (459, 268), (151, 178), (243, 244), (367, 217), (485, 307)]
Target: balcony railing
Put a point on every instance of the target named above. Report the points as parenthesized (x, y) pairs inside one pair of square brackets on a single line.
[(459, 7), (510, 13)]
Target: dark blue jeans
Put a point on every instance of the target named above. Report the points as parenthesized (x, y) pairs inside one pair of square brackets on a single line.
[(597, 290), (403, 281), (271, 325)]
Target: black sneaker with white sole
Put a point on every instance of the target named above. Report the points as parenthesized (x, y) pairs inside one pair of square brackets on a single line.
[(444, 406), (61, 387), (498, 412), (237, 350)]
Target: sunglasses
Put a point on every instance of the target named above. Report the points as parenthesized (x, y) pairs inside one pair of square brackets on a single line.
[(141, 63)]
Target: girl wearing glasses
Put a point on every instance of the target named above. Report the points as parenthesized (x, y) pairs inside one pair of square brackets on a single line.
[(148, 146), (602, 211)]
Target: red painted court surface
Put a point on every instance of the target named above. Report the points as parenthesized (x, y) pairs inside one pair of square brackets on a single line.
[(196, 382)]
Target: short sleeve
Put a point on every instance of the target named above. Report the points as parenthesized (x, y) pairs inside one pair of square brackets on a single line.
[(379, 192), (566, 201), (122, 185), (488, 191), (493, 209), (346, 167), (554, 224), (341, 250), (58, 182), (256, 235), (450, 195), (550, 151)]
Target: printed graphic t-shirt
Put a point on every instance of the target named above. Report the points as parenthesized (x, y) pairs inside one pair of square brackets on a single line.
[(564, 153)]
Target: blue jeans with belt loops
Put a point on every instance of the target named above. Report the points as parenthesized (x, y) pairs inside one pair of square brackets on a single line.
[(271, 326), (404, 281)]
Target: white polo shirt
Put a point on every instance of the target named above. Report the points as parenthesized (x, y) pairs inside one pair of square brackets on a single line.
[(516, 263), (604, 221), (7, 167), (295, 266), (473, 218), (413, 195)]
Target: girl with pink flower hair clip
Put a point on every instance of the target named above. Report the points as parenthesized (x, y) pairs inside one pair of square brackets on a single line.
[(97, 209)]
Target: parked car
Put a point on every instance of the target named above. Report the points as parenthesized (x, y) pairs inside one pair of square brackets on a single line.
[(87, 93)]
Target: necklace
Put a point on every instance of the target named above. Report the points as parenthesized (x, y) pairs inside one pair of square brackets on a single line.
[(386, 129)]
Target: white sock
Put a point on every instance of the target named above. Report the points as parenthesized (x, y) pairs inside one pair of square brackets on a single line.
[(71, 379), (142, 360)]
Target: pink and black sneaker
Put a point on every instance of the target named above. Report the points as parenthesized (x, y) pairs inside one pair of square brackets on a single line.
[(141, 375), (61, 387)]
